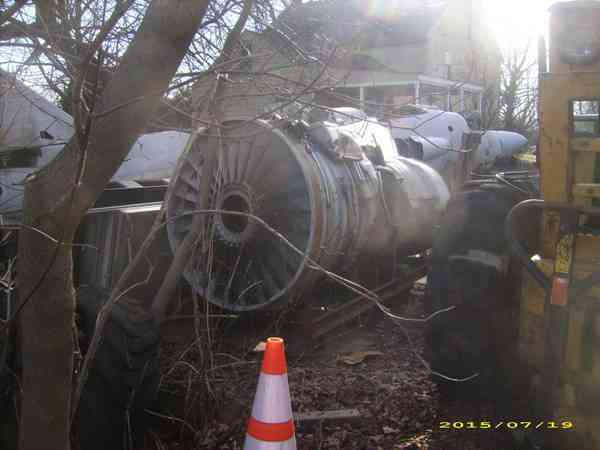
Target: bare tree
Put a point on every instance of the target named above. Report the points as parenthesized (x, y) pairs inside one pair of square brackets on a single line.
[(513, 107), (57, 197), (518, 93), (109, 63), (112, 79)]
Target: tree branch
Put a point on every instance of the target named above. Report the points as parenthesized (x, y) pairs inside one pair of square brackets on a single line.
[(199, 224), (11, 11)]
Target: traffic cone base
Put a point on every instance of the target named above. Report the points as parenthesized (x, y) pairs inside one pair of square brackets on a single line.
[(255, 444)]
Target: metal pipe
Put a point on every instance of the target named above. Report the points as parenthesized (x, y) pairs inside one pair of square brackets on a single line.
[(520, 251)]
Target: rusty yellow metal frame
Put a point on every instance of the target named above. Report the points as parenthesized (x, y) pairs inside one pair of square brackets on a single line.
[(567, 162)]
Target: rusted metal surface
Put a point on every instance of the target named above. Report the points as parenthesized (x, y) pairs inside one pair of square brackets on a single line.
[(112, 236), (308, 183), (335, 318), (315, 418)]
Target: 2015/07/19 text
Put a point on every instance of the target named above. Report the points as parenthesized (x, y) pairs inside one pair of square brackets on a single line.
[(507, 425)]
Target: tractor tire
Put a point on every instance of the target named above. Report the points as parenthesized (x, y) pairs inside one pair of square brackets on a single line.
[(469, 272), (123, 381), (8, 388)]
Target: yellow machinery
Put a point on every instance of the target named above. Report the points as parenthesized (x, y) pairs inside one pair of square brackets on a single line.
[(536, 287), (559, 317)]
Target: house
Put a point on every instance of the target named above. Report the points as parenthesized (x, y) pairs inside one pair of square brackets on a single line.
[(430, 52), (378, 55)]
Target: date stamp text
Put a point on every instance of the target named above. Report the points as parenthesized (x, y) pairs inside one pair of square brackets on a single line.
[(506, 425)]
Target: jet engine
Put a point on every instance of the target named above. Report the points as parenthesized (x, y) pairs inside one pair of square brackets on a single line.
[(339, 195)]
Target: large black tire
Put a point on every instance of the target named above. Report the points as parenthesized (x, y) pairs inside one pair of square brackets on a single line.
[(8, 386), (474, 337), (124, 378)]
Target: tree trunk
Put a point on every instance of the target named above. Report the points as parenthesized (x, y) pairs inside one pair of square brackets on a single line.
[(57, 197), (46, 342)]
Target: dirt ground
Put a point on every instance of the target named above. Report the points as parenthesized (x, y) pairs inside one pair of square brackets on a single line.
[(368, 366)]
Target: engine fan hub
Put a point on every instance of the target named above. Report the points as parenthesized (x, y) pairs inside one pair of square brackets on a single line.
[(233, 225)]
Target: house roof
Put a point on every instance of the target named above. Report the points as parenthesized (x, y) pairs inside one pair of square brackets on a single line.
[(372, 22)]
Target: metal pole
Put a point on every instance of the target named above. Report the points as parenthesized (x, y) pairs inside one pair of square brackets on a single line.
[(417, 92)]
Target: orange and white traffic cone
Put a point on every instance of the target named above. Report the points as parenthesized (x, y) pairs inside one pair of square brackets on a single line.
[(271, 426)]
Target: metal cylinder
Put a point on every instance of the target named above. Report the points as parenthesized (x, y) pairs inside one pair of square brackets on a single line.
[(339, 194)]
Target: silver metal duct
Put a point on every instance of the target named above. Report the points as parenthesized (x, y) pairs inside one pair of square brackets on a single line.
[(340, 194)]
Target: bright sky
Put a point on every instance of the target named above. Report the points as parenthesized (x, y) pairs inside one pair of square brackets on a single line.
[(517, 22)]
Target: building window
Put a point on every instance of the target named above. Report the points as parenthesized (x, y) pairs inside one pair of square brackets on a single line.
[(585, 117), (338, 97), (434, 96), (352, 93), (472, 101), (382, 101), (455, 100)]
